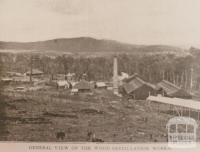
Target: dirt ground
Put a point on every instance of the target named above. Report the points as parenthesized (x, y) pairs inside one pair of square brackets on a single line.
[(40, 115)]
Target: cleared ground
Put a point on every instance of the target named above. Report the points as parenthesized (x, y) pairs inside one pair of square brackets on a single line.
[(39, 115)]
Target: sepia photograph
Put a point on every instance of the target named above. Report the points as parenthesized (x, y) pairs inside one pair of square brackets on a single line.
[(100, 71)]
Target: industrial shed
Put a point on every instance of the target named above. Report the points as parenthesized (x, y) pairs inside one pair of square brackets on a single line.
[(168, 89), (135, 87), (83, 86)]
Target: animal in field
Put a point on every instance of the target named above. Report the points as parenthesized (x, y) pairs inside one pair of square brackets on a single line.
[(60, 135), (92, 137)]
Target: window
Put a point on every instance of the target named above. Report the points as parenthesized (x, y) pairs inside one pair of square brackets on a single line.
[(172, 128), (181, 128), (190, 128)]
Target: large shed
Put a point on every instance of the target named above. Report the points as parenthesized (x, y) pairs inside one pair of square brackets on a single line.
[(137, 88), (169, 89)]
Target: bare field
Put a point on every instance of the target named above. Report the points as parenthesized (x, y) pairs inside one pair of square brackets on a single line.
[(39, 115)]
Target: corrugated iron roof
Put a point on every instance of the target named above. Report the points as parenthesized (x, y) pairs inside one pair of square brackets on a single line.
[(129, 88), (187, 103), (169, 87), (182, 120), (135, 82), (130, 78)]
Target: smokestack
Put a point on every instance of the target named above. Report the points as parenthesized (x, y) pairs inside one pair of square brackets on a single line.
[(115, 76)]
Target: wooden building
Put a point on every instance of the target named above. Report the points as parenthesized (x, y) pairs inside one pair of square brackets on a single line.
[(168, 89), (83, 86), (136, 88)]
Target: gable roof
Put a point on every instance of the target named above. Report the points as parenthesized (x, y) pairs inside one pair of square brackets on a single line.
[(134, 82), (168, 87), (131, 78)]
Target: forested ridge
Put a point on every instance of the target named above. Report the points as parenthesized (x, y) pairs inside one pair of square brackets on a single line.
[(86, 44)]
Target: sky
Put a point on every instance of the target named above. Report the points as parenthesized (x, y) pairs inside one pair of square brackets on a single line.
[(170, 22)]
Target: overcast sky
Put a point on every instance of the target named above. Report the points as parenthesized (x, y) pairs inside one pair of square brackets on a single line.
[(174, 22)]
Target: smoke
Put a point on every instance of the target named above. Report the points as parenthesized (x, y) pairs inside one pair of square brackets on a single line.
[(71, 7)]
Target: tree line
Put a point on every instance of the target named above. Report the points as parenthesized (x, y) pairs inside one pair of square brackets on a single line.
[(181, 70)]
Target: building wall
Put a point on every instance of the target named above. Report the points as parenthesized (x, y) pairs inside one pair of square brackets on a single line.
[(179, 94), (143, 92), (84, 90), (161, 92), (182, 94)]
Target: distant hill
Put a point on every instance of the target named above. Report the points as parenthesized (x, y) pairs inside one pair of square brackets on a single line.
[(85, 44)]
